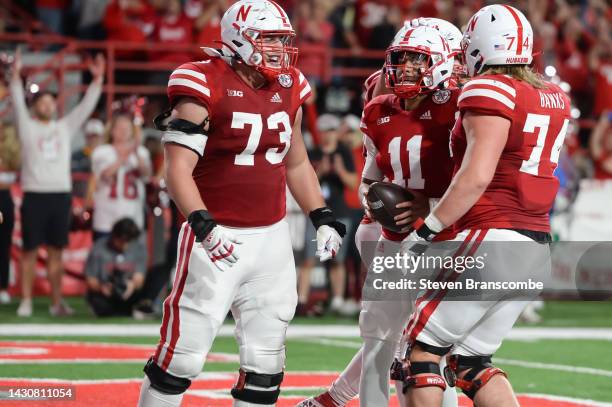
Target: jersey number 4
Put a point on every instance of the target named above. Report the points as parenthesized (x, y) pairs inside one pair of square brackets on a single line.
[(541, 122), (273, 156)]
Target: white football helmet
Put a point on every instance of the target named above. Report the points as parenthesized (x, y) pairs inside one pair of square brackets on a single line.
[(451, 34), (259, 32), (497, 35), (426, 47)]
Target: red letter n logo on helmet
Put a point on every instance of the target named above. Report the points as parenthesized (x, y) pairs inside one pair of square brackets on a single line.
[(243, 13)]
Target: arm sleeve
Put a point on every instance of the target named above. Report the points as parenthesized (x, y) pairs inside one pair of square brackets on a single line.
[(20, 109), (370, 168), (488, 96), (77, 117), (194, 142)]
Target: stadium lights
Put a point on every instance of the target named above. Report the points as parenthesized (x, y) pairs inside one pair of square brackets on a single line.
[(575, 113), (550, 71), (34, 88), (565, 87)]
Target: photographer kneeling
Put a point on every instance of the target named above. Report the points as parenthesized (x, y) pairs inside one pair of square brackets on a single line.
[(115, 270)]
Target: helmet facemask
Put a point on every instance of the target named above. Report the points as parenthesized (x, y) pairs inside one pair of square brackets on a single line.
[(460, 73), (408, 71), (273, 51)]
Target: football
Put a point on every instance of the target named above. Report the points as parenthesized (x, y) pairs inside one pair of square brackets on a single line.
[(382, 198)]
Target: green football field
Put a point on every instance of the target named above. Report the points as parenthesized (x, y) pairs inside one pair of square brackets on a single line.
[(568, 355)]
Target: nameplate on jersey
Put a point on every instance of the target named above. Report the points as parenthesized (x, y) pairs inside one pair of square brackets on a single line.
[(441, 96)]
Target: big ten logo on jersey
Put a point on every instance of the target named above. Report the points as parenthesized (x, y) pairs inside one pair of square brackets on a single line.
[(383, 120), (235, 93)]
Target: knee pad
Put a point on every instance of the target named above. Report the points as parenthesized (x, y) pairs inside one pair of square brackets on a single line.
[(429, 372), (429, 376), (474, 366), (257, 388), (163, 381), (400, 364)]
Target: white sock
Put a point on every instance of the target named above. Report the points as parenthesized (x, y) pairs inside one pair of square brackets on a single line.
[(450, 394), (346, 386), (374, 381), (149, 397)]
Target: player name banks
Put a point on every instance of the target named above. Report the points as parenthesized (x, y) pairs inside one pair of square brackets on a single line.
[(468, 284)]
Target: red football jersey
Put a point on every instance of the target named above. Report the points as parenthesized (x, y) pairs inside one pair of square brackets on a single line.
[(370, 85), (412, 146), (241, 176), (523, 189)]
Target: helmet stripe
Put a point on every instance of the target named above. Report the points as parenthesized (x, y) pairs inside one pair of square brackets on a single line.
[(519, 46), (281, 12), (408, 34)]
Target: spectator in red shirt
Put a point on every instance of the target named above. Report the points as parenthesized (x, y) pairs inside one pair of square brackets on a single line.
[(173, 27), (600, 62), (130, 21), (206, 17), (601, 146), (315, 34)]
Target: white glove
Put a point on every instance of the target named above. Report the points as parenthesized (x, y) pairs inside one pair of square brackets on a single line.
[(414, 245), (328, 242), (221, 247)]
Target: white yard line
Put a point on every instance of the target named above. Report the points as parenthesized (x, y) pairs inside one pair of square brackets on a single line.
[(552, 366), (513, 362), (294, 331), (566, 399)]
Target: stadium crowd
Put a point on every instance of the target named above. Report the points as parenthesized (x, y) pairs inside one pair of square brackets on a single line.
[(123, 158)]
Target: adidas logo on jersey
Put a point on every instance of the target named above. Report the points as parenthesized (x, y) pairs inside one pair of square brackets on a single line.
[(426, 115), (237, 93), (276, 98)]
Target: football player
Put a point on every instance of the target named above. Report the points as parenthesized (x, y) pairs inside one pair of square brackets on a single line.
[(374, 85), (232, 144), (506, 145), (406, 137)]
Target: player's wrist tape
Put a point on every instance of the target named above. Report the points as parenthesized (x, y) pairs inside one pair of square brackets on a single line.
[(202, 223), (325, 216), (428, 229)]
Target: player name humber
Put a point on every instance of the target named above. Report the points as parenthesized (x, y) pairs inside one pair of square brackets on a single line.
[(552, 100)]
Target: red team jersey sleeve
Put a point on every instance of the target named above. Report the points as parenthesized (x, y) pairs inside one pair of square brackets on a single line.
[(490, 96), (190, 80), (304, 89), (370, 85)]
